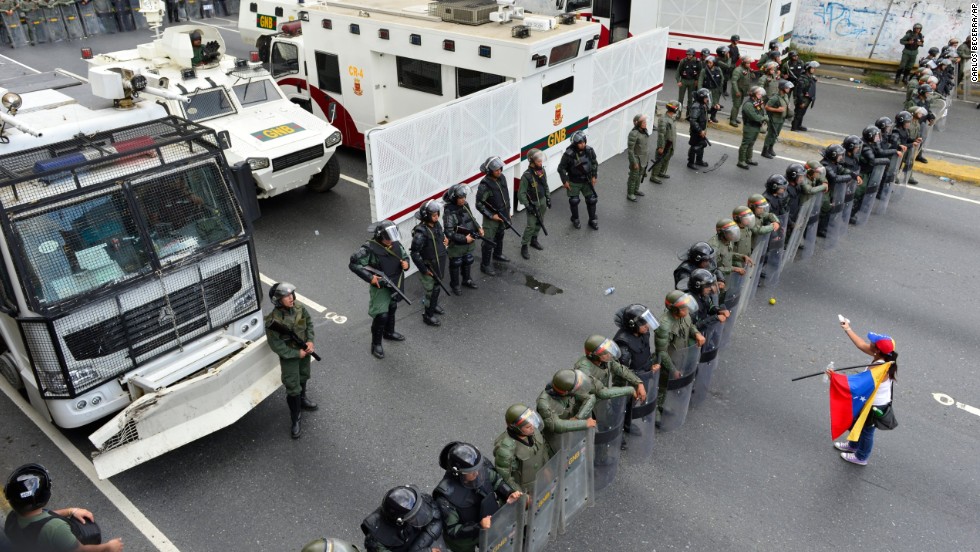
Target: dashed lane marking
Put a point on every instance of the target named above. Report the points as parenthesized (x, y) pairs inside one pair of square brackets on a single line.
[(320, 309), (946, 400)]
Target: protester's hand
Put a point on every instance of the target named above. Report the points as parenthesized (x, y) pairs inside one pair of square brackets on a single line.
[(846, 325)]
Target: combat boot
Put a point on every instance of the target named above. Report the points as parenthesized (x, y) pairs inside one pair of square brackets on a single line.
[(487, 269), (467, 277), (434, 301), (429, 317), (294, 415), (593, 219), (573, 206), (454, 270), (767, 153), (377, 331), (536, 244), (524, 252), (390, 334), (638, 192), (305, 403)]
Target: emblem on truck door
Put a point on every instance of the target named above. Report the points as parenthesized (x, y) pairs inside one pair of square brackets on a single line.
[(558, 116)]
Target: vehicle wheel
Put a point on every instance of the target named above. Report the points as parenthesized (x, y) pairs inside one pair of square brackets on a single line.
[(9, 371), (327, 178)]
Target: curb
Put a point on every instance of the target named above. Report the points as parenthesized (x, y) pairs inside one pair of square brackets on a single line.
[(936, 167)]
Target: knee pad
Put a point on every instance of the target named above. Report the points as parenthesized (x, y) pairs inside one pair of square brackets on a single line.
[(456, 261), (468, 259), (574, 201), (592, 199)]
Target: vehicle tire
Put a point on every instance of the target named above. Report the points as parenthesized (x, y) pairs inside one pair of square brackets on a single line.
[(9, 371), (327, 178)]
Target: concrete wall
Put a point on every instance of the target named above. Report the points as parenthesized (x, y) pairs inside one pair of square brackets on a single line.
[(849, 27)]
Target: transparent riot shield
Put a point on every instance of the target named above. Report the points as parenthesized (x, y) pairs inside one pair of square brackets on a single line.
[(775, 254), (848, 205), (16, 32), (36, 26), (751, 281), (643, 429), (107, 16), (543, 512), (836, 223), (90, 19), (609, 415), (809, 245), (733, 292), (577, 480), (870, 194), (887, 185), (53, 24), (506, 532), (677, 400), (796, 239), (138, 18), (124, 15), (706, 363), (902, 181), (941, 109), (73, 23)]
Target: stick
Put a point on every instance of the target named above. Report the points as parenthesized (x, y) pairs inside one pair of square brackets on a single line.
[(835, 370)]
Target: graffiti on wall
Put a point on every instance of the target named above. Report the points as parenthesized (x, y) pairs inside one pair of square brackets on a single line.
[(850, 29)]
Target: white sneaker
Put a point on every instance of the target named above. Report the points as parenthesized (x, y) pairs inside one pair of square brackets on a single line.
[(844, 446), (852, 458)]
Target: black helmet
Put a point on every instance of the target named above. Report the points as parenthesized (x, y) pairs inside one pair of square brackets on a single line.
[(491, 164), (690, 52), (903, 117), (722, 50), (279, 290), (736, 38), (460, 459), (702, 94), (195, 35), (795, 171), (636, 316), (851, 142), (884, 124), (28, 488), (917, 26), (700, 252), (924, 89), (773, 45), (578, 137), (793, 54), (934, 51), (705, 52), (387, 230), (457, 191), (786, 85), (406, 505), (428, 209), (775, 182), (699, 280), (833, 153), (870, 133)]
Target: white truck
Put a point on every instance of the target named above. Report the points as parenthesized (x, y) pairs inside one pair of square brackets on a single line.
[(129, 283), (285, 146)]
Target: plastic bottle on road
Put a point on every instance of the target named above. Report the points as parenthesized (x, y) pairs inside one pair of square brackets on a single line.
[(609, 291)]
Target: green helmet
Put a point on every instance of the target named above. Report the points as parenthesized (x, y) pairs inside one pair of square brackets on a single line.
[(677, 300), (518, 415), (329, 545), (757, 201), (596, 345), (569, 381)]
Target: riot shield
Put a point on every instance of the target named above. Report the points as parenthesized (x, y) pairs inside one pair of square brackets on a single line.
[(124, 15), (887, 184), (809, 245), (506, 532), (775, 254), (753, 273), (643, 428), (836, 223), (941, 110), (138, 18), (678, 397), (36, 26), (106, 16), (577, 479), (54, 25), (16, 32), (902, 181), (799, 228), (734, 291), (707, 363), (870, 195), (848, 205), (73, 23), (90, 19), (543, 513), (609, 415)]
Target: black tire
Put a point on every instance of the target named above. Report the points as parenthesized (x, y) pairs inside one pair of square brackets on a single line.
[(8, 370), (327, 178)]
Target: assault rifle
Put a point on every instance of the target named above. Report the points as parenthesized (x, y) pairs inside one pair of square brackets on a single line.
[(437, 279), (503, 218), (281, 328), (386, 282), (532, 207), (468, 232)]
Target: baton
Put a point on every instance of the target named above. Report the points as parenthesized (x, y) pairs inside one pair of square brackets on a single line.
[(835, 370)]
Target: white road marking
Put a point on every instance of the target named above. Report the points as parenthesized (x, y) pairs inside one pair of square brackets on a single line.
[(320, 309), (360, 183), (19, 63), (110, 491), (912, 188), (946, 400), (70, 74)]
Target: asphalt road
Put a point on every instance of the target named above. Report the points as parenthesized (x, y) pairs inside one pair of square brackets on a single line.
[(753, 468)]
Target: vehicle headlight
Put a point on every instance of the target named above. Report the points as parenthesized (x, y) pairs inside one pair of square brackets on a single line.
[(257, 163), (333, 139)]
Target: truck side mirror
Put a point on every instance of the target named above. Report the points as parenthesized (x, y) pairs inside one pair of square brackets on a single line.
[(224, 139), (332, 112)]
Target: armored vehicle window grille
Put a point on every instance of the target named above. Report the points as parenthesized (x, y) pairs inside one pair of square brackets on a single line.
[(328, 72), (469, 81), (208, 104), (8, 303), (285, 59), (557, 89), (256, 92), (249, 72), (107, 339), (416, 74), (297, 157)]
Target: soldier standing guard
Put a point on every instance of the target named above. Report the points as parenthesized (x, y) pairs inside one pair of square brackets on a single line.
[(521, 450), (687, 78), (741, 84), (675, 331), (533, 193), (383, 255), (753, 115), (637, 144), (462, 230), (698, 119), (713, 79), (493, 201), (429, 255), (579, 172), (912, 40), (779, 107), (666, 138), (294, 357), (806, 94)]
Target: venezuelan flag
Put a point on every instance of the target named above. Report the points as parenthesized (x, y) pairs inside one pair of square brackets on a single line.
[(851, 397)]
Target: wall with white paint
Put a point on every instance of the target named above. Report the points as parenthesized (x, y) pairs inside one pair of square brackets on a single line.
[(849, 28)]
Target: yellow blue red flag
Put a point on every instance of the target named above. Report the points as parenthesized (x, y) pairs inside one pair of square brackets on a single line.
[(851, 397)]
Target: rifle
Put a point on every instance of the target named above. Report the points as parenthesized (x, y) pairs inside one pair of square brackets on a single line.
[(281, 328), (532, 207), (468, 232), (387, 282), (505, 220), (437, 279), (646, 170)]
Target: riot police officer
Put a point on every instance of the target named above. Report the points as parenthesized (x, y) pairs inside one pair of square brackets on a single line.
[(637, 148), (666, 138), (676, 331), (777, 194), (383, 255), (908, 136), (579, 173), (407, 521), (871, 154), (778, 108), (698, 119), (703, 287), (931, 55), (699, 255), (566, 405), (837, 175), (636, 323), (493, 202), (470, 492), (765, 221), (534, 192), (741, 84), (294, 357), (521, 450), (429, 254), (607, 377), (687, 77), (753, 116), (733, 51), (806, 94), (745, 219), (793, 67), (912, 40), (772, 54), (462, 230), (727, 234), (712, 78), (724, 60)]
